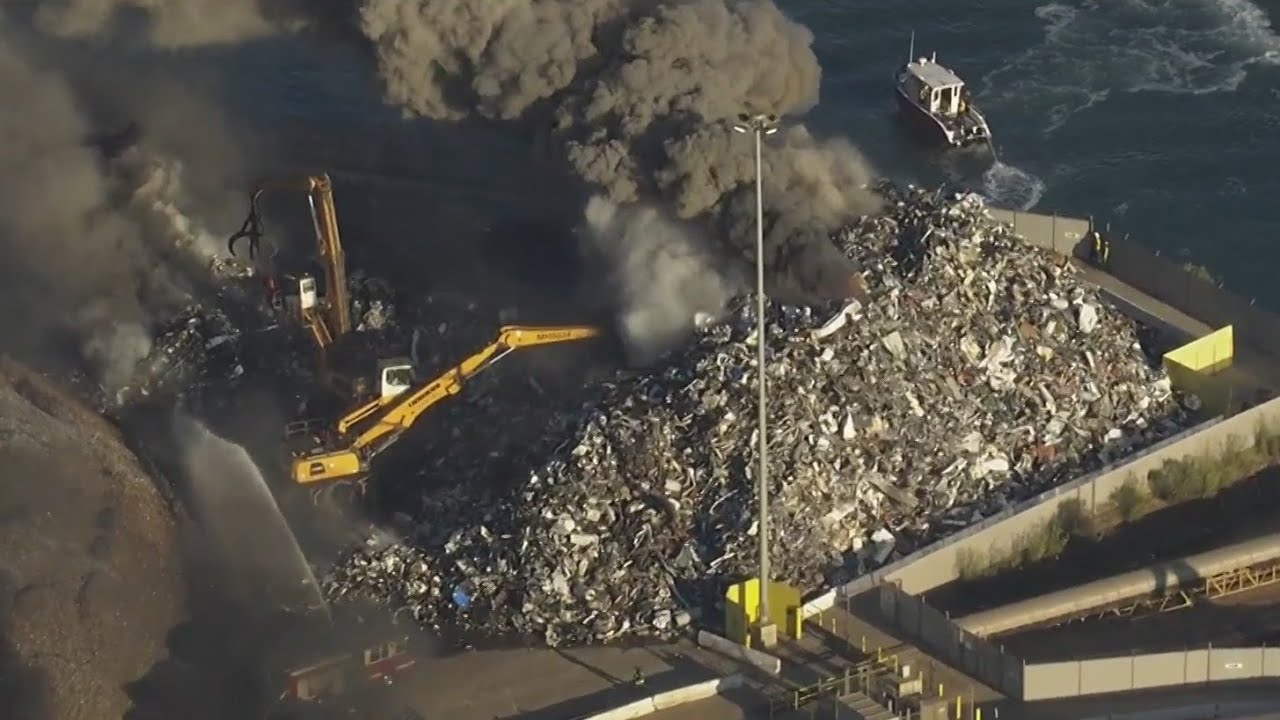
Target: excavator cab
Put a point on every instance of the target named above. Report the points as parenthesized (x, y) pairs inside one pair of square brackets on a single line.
[(395, 375), (308, 296)]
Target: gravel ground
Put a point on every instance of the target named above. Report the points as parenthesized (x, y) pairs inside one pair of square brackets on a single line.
[(90, 576)]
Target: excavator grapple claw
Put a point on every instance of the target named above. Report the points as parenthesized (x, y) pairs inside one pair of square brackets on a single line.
[(250, 229)]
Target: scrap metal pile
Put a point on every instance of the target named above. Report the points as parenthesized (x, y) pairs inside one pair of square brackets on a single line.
[(200, 353), (983, 371)]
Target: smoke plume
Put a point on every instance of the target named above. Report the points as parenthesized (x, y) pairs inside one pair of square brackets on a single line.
[(97, 234), (662, 270), (640, 95), (167, 23)]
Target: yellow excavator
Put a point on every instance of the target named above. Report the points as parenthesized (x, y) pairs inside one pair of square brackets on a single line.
[(321, 454), (325, 452), (327, 316)]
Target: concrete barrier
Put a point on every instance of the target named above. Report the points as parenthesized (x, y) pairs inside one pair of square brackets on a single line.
[(940, 563), (929, 629), (1077, 678), (696, 692), (1166, 280), (639, 708), (819, 604), (1241, 710), (1153, 274), (724, 646), (670, 699), (1063, 235)]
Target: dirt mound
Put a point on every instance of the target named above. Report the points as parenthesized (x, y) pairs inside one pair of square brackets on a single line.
[(90, 576)]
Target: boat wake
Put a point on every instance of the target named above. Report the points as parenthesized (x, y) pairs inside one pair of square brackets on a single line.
[(1092, 49), (1007, 186)]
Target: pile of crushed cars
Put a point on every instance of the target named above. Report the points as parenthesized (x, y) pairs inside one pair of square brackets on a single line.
[(982, 371)]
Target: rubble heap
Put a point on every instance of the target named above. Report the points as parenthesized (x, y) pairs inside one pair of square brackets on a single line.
[(983, 371)]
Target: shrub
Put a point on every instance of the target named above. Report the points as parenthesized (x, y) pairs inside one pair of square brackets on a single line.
[(1075, 520), (1129, 500), (1173, 482), (1267, 445), (972, 564), (1237, 462), (1176, 481), (1044, 543)]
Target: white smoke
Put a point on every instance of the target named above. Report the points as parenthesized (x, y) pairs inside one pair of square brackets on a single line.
[(663, 271), (99, 238), (113, 347)]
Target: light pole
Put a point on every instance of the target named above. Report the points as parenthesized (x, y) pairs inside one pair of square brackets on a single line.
[(761, 125)]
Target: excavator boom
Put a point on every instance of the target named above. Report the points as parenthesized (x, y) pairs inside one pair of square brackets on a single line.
[(388, 418), (324, 216)]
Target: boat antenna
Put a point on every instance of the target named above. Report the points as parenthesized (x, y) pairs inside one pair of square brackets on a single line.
[(911, 52)]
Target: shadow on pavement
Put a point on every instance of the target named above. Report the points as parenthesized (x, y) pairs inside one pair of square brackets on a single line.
[(681, 671), (607, 677)]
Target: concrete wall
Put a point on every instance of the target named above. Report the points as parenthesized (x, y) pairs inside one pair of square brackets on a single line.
[(671, 698), (1165, 280), (1047, 681), (1157, 578), (1063, 235), (1153, 274), (931, 630), (997, 535), (762, 660)]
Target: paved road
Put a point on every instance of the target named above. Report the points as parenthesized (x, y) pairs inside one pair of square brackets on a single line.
[(735, 706), (538, 684)]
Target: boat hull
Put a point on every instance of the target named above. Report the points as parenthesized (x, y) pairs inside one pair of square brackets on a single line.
[(930, 128)]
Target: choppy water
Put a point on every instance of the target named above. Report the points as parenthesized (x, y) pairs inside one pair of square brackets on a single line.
[(1159, 116)]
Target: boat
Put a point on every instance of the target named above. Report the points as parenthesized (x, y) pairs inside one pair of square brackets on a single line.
[(936, 103)]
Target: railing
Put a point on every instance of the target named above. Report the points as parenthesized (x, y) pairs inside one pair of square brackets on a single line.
[(855, 679)]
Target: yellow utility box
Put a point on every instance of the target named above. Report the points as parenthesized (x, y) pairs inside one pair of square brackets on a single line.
[(742, 609), (1194, 369)]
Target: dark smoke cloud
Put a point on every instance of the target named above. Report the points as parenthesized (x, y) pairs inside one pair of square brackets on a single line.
[(640, 95), (94, 243)]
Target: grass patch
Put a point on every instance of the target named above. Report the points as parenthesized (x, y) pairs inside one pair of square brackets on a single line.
[(1172, 483)]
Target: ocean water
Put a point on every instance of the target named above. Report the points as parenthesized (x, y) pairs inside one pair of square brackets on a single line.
[(1160, 117)]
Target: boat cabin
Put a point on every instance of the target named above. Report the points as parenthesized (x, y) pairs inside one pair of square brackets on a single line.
[(935, 88)]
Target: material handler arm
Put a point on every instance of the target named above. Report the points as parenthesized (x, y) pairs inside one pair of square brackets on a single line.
[(400, 412), (324, 216)]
